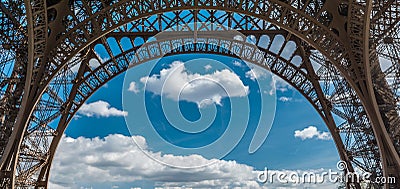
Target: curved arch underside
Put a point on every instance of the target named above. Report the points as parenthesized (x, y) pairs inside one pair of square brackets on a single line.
[(327, 62)]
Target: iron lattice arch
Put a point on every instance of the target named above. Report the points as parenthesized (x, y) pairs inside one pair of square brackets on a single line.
[(343, 56)]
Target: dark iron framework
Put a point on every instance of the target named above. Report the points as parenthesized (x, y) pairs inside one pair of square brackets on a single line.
[(345, 60)]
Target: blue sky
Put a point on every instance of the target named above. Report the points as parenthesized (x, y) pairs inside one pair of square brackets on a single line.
[(100, 134)]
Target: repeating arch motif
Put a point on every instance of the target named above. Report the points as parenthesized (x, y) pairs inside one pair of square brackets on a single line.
[(116, 63)]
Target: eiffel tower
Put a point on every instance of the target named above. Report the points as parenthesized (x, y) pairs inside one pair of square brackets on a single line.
[(345, 61)]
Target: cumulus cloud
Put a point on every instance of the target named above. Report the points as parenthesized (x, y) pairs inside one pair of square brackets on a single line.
[(133, 87), (100, 109), (177, 84), (279, 84), (115, 159), (312, 132)]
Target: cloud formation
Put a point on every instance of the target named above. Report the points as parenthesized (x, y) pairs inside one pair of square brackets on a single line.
[(279, 84), (207, 67), (237, 63), (177, 83), (312, 132), (115, 160), (93, 64), (256, 72), (100, 109)]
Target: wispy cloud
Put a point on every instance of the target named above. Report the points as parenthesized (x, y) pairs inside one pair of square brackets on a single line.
[(285, 99), (207, 67)]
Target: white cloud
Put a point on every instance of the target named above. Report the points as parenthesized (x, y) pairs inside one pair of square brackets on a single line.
[(238, 37), (177, 84), (256, 72), (285, 99), (237, 63), (117, 159), (133, 87), (312, 132), (93, 64), (279, 84), (96, 162), (100, 109), (207, 67), (75, 68)]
